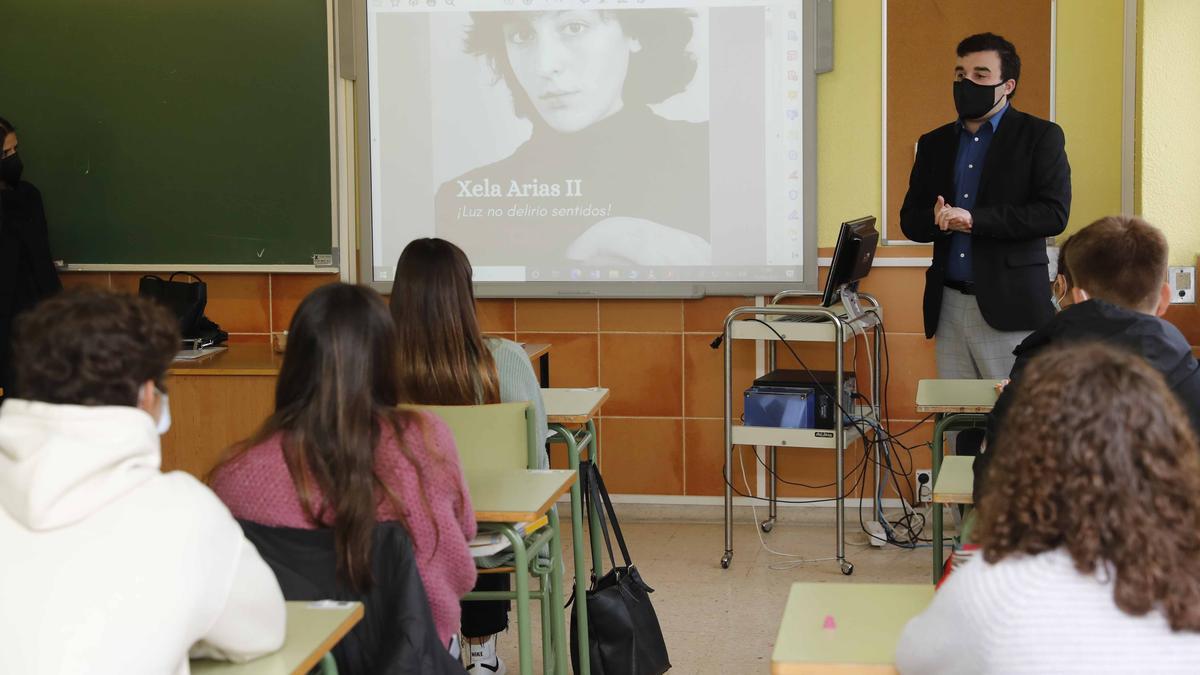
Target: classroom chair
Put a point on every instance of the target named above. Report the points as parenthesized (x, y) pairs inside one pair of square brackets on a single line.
[(502, 436)]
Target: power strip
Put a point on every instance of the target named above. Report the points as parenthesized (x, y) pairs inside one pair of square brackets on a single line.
[(878, 537)]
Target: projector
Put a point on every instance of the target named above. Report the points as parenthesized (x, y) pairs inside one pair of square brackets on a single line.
[(798, 399)]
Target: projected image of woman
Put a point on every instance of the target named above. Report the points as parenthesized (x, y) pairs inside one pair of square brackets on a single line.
[(603, 179)]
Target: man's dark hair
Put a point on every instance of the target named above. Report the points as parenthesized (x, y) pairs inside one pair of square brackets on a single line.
[(6, 127), (92, 347), (664, 67), (1010, 63), (1120, 259)]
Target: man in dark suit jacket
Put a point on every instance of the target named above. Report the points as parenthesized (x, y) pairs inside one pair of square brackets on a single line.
[(987, 190)]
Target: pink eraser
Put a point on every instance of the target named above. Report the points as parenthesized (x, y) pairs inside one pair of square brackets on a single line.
[(830, 624)]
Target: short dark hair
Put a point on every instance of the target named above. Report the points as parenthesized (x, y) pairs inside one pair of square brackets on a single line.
[(1120, 259), (1010, 63), (664, 66), (92, 347), (1065, 271)]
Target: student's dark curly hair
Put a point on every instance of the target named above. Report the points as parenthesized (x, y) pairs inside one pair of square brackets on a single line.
[(664, 66), (1097, 458), (93, 347)]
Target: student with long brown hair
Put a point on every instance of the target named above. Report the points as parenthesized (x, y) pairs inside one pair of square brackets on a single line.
[(1090, 532), (445, 360), (338, 453)]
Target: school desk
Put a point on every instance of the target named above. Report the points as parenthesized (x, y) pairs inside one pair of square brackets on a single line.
[(959, 404), (541, 352), (571, 416), (844, 628), (313, 629), (503, 498), (219, 400)]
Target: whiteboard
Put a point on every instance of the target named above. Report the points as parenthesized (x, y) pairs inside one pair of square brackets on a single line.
[(653, 148)]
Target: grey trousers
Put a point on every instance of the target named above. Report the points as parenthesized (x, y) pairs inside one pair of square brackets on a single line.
[(967, 347)]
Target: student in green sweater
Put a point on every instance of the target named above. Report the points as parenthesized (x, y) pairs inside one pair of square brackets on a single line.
[(445, 360)]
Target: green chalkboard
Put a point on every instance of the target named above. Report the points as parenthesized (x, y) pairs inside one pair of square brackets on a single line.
[(173, 131)]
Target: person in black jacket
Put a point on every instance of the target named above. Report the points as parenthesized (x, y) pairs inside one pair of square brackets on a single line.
[(987, 190), (1118, 266), (27, 272)]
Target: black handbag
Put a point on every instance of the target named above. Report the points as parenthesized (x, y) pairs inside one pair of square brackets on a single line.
[(186, 300), (624, 637)]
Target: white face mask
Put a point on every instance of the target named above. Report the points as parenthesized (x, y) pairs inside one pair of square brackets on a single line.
[(164, 412)]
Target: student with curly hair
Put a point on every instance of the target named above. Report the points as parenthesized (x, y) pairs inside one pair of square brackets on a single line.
[(1090, 532), (109, 564), (585, 80)]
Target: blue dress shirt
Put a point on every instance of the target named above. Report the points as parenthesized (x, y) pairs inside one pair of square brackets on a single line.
[(968, 166)]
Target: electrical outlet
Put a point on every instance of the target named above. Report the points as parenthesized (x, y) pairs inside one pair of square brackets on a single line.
[(924, 486), (1183, 285)]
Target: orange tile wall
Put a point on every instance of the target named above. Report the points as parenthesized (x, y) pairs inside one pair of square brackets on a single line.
[(247, 306), (661, 429)]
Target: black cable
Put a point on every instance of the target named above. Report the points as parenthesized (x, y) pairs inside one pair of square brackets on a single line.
[(861, 463), (867, 460), (775, 474)]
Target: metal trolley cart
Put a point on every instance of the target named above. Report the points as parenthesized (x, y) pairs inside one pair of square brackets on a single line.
[(799, 323)]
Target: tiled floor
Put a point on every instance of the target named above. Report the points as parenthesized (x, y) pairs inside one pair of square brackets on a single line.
[(724, 621)]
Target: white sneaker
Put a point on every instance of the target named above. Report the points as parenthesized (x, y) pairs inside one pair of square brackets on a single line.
[(484, 660)]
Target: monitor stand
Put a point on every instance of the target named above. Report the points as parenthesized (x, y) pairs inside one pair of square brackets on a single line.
[(851, 302)]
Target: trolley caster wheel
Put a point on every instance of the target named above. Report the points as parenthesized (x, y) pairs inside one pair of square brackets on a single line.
[(725, 560), (767, 525), (847, 568)]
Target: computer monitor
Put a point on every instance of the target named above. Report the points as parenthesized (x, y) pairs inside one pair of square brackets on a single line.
[(852, 257)]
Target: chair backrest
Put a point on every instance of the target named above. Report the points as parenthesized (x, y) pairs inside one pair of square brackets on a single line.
[(491, 436)]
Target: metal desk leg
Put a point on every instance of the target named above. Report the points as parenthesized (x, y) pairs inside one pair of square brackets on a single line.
[(577, 549), (939, 432), (945, 424), (593, 446), (521, 563), (557, 629), (548, 644)]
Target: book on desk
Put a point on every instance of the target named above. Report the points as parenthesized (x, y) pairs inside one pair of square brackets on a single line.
[(490, 543)]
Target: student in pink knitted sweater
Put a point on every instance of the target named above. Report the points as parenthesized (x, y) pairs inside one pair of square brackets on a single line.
[(338, 453)]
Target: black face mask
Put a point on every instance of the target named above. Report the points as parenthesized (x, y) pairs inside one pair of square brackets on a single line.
[(973, 101), (10, 169)]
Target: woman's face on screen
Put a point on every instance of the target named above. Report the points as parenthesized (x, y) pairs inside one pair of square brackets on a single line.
[(571, 64)]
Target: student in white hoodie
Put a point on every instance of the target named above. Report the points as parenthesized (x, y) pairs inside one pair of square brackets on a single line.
[(108, 565), (1089, 528)]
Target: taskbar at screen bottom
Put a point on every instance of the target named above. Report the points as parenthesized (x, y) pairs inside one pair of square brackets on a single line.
[(732, 274)]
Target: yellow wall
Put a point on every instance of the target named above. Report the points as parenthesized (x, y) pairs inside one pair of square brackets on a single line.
[(849, 128), (1169, 101), (1087, 88)]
